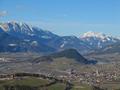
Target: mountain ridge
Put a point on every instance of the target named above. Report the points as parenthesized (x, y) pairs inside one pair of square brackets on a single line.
[(98, 40), (42, 40), (68, 54)]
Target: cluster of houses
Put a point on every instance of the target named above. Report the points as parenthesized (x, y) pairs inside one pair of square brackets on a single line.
[(92, 78)]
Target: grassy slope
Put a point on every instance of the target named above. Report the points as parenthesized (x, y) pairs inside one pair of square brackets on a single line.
[(58, 86), (28, 81), (32, 82)]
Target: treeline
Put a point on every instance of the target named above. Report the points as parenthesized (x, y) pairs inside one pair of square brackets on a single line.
[(20, 75), (68, 84), (98, 88), (39, 75), (18, 87)]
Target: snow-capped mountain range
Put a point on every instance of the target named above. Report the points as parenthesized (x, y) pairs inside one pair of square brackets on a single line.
[(98, 40), (21, 37)]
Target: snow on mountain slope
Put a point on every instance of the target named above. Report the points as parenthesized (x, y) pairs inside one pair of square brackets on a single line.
[(24, 36), (67, 42), (20, 29), (98, 40), (35, 37)]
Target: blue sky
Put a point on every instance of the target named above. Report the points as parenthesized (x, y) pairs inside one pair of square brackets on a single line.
[(65, 17)]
